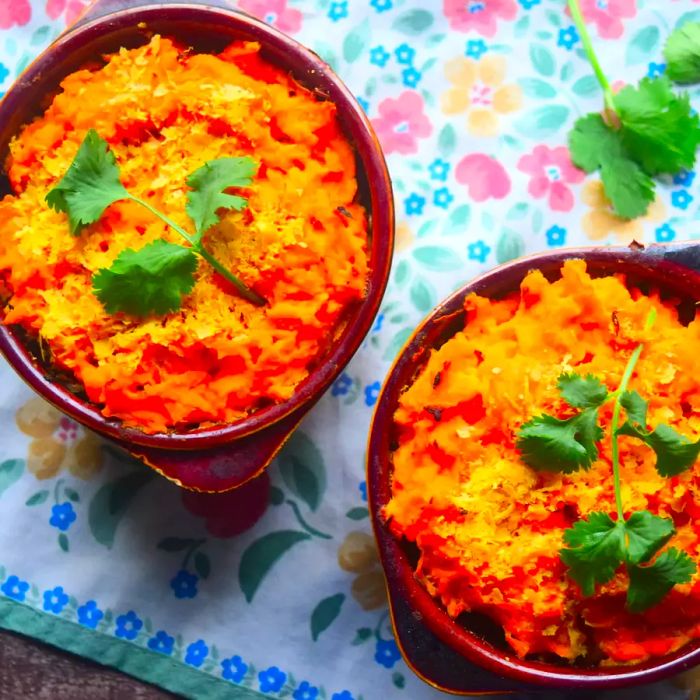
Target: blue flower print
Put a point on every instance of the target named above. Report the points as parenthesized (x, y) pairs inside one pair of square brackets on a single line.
[(379, 56), (411, 77), (89, 614), (378, 323), (386, 653), (305, 691), (439, 169), (568, 38), (271, 679), (414, 204), (681, 199), (341, 386), (15, 588), (4, 72), (665, 233), (344, 695), (55, 600), (656, 70), (363, 490), (478, 251), (62, 516), (338, 10), (556, 235), (184, 584), (234, 669), (684, 178), (372, 393), (476, 48), (382, 5), (363, 103), (162, 642), (442, 198), (529, 4), (197, 652), (405, 54), (128, 626)]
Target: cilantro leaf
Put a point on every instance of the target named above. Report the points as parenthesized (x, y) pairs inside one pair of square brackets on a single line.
[(550, 444), (682, 54), (658, 129), (596, 550), (636, 408), (209, 184), (150, 280), (649, 584), (90, 184), (646, 535), (674, 452), (594, 145), (582, 392)]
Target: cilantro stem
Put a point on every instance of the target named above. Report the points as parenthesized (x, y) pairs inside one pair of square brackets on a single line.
[(626, 376), (244, 290), (590, 52)]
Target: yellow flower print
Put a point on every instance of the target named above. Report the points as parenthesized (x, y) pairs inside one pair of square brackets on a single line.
[(600, 222), (404, 236), (478, 89), (58, 442), (358, 555)]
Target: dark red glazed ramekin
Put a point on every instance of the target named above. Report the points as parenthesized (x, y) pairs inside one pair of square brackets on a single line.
[(220, 458), (443, 652)]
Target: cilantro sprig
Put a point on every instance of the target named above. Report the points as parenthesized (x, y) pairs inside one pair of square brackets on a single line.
[(598, 545), (644, 131), (155, 278)]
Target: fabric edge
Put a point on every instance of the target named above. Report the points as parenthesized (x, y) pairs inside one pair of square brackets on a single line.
[(139, 663)]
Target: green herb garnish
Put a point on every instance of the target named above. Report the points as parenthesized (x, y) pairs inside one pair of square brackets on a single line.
[(598, 546), (644, 131), (155, 278)]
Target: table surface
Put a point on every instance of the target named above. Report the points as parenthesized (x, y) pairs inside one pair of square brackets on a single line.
[(35, 671)]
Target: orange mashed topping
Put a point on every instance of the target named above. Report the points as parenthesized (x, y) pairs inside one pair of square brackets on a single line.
[(301, 242), (488, 527)]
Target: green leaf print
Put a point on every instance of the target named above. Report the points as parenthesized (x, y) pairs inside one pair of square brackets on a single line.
[(398, 680), (303, 470), (325, 613), (643, 45), (261, 555), (327, 53), (10, 472), (41, 36), (458, 221), (356, 42), (63, 542), (437, 258), (37, 499), (542, 122), (413, 22), (73, 495), (542, 60), (363, 634), (535, 87), (403, 270), (422, 294), (357, 513), (397, 342), (202, 565), (692, 16), (510, 245), (586, 86), (111, 501), (447, 140)]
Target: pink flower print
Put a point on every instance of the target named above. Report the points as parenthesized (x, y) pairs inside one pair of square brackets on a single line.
[(274, 12), (607, 15), (67, 430), (401, 122), (484, 177), (479, 15), (13, 12), (551, 170), (72, 9)]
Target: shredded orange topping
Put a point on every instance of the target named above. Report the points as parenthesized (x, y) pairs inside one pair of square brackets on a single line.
[(301, 243), (488, 527)]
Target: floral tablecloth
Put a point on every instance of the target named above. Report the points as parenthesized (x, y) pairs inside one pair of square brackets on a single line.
[(472, 100)]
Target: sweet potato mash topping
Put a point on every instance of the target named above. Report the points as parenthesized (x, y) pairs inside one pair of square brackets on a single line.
[(488, 527), (301, 243)]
